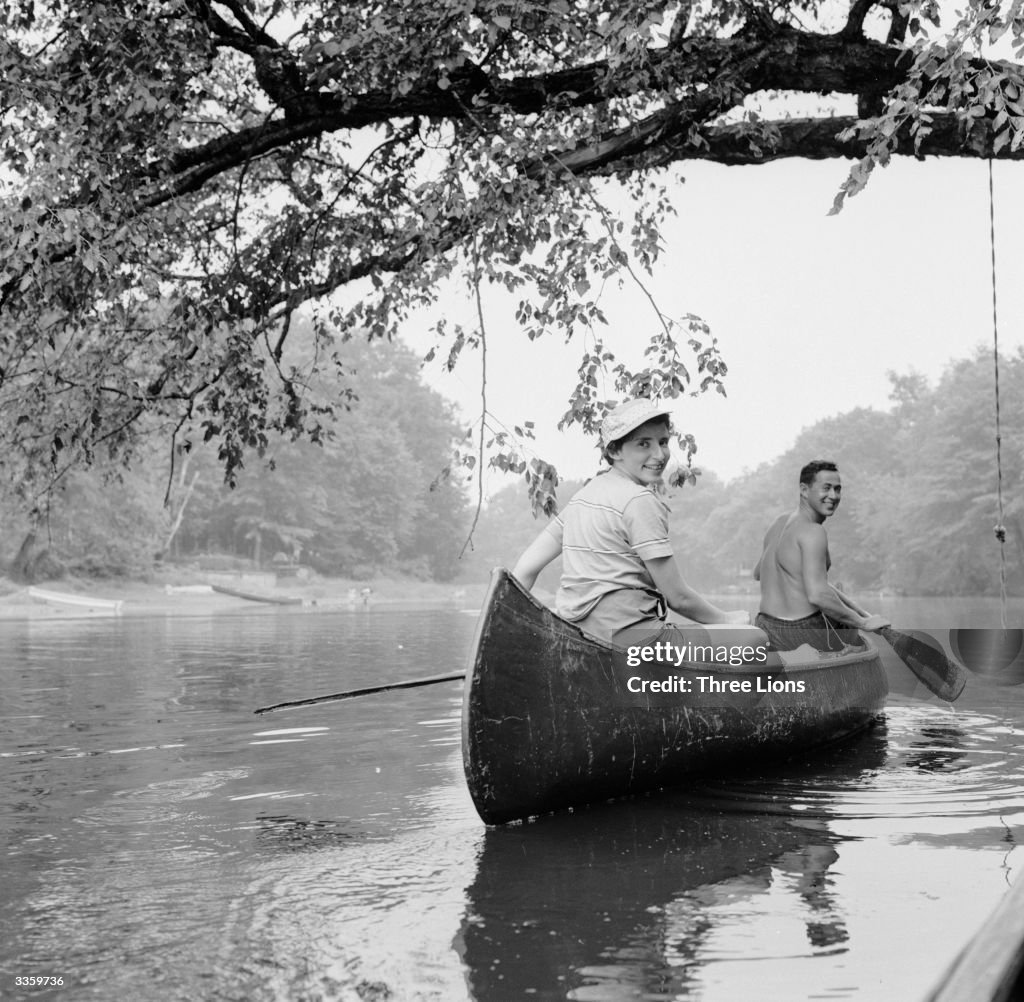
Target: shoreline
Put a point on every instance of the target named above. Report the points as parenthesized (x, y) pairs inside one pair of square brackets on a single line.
[(79, 599)]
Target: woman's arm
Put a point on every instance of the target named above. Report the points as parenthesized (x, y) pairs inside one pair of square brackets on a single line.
[(681, 598), (536, 557)]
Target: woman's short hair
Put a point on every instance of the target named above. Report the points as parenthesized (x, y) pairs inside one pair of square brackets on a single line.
[(616, 446)]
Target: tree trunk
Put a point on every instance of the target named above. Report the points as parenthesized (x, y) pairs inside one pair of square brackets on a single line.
[(21, 566), (180, 513)]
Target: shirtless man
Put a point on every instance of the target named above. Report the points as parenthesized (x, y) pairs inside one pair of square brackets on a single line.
[(798, 605)]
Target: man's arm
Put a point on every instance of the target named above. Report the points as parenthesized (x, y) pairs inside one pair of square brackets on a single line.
[(813, 544), (846, 600), (872, 621), (536, 557), (681, 598)]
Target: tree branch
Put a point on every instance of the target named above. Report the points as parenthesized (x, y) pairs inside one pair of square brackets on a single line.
[(899, 24), (855, 21), (787, 60), (152, 161), (818, 139), (252, 29)]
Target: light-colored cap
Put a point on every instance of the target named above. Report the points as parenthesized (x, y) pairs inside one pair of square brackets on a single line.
[(628, 416)]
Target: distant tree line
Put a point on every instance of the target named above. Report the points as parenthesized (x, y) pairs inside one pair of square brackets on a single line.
[(368, 499), (371, 498), (920, 495)]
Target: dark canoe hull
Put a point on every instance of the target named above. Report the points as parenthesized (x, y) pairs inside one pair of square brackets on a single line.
[(546, 724), (991, 966)]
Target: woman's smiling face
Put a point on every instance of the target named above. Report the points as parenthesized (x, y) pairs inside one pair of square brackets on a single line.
[(644, 455)]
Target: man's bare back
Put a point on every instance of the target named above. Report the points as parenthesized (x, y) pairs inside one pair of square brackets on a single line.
[(781, 568)]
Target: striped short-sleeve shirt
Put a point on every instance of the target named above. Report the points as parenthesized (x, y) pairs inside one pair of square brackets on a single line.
[(611, 525)]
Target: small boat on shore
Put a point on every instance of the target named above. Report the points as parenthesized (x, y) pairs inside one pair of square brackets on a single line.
[(552, 719), (86, 605), (253, 597)]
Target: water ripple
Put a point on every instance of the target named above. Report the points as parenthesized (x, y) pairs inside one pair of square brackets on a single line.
[(966, 766)]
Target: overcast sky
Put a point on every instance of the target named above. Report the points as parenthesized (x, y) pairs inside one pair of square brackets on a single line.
[(810, 310)]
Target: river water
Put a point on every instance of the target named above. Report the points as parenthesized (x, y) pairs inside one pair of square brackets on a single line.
[(161, 842)]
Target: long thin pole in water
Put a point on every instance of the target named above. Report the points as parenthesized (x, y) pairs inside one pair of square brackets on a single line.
[(351, 693)]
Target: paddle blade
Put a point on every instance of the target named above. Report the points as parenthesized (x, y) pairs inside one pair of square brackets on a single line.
[(926, 659)]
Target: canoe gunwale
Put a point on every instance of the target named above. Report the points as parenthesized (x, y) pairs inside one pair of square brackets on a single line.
[(500, 576)]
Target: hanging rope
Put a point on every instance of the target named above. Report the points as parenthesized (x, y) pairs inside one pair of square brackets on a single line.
[(1000, 528)]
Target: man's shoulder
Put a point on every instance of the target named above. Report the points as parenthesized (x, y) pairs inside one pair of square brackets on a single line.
[(789, 530), (807, 532)]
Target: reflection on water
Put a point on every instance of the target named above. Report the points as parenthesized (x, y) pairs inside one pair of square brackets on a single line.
[(624, 900), (158, 834)]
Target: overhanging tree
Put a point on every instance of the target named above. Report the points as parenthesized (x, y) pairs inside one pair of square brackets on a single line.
[(180, 177)]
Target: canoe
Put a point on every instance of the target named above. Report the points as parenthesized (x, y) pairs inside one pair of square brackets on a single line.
[(548, 721), (991, 967), (253, 597), (87, 603)]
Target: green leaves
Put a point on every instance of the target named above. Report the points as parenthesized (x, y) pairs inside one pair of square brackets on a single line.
[(180, 178), (953, 75), (541, 484), (858, 178)]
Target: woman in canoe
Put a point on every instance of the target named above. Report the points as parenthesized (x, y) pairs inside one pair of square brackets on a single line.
[(618, 568)]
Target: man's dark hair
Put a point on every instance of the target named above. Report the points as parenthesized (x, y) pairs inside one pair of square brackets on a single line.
[(814, 467)]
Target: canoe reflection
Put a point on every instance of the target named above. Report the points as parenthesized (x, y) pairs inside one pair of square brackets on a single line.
[(620, 901)]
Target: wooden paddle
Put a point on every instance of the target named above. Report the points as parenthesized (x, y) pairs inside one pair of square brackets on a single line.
[(410, 684), (928, 662)]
